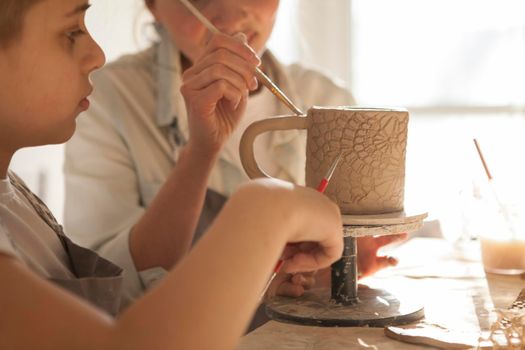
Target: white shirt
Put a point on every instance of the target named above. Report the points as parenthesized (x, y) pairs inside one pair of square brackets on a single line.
[(123, 150), (25, 236)]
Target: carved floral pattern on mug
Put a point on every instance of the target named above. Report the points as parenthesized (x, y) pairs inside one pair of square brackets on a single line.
[(374, 146)]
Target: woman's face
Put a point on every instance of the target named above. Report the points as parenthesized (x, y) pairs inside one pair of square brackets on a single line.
[(255, 18)]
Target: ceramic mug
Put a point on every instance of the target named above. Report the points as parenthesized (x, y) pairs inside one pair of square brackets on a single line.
[(370, 177)]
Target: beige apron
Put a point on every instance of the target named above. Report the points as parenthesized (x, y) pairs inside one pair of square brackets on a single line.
[(97, 280)]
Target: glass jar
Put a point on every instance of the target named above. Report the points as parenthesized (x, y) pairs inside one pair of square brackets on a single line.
[(497, 217)]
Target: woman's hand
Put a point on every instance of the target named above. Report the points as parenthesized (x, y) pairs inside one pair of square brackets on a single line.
[(368, 262), (216, 89)]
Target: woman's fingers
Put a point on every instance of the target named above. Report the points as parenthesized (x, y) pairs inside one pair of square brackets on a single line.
[(380, 262), (225, 56), (223, 61), (386, 261), (216, 90), (234, 45), (213, 73), (225, 70), (215, 70), (385, 240), (209, 91)]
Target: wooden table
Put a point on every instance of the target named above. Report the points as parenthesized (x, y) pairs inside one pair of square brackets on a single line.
[(448, 279)]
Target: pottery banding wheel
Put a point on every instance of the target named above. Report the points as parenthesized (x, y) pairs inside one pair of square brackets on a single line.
[(346, 304), (375, 308), (382, 224)]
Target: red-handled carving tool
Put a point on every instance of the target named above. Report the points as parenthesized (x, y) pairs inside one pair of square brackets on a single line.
[(320, 188), (275, 272), (326, 179)]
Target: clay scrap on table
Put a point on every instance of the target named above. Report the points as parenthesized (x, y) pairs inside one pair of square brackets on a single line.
[(435, 336)]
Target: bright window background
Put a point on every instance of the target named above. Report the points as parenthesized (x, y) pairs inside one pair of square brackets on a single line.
[(458, 66), (439, 52)]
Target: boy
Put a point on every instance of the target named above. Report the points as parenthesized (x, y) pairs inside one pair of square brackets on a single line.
[(46, 56)]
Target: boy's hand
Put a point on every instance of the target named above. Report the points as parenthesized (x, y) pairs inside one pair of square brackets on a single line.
[(291, 285), (313, 230), (305, 221), (294, 285), (216, 89)]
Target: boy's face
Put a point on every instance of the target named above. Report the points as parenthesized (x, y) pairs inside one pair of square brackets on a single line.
[(44, 75), (255, 18)]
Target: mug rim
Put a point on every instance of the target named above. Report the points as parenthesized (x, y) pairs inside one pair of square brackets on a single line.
[(359, 108)]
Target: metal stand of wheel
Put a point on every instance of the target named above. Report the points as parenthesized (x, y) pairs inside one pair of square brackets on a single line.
[(346, 304)]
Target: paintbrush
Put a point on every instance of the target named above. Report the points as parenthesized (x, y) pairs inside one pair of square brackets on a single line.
[(263, 78), (320, 188)]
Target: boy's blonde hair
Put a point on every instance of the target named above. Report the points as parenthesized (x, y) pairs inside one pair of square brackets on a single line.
[(12, 13)]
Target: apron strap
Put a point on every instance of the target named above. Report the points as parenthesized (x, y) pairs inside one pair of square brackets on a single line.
[(97, 280), (42, 211)]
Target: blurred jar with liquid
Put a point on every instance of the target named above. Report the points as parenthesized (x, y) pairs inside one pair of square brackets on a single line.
[(496, 215)]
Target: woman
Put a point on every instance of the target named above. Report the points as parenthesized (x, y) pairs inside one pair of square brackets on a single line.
[(120, 164)]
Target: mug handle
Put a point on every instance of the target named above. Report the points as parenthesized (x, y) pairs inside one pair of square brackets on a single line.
[(255, 129)]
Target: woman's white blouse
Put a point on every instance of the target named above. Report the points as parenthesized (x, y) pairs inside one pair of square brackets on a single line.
[(126, 144)]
